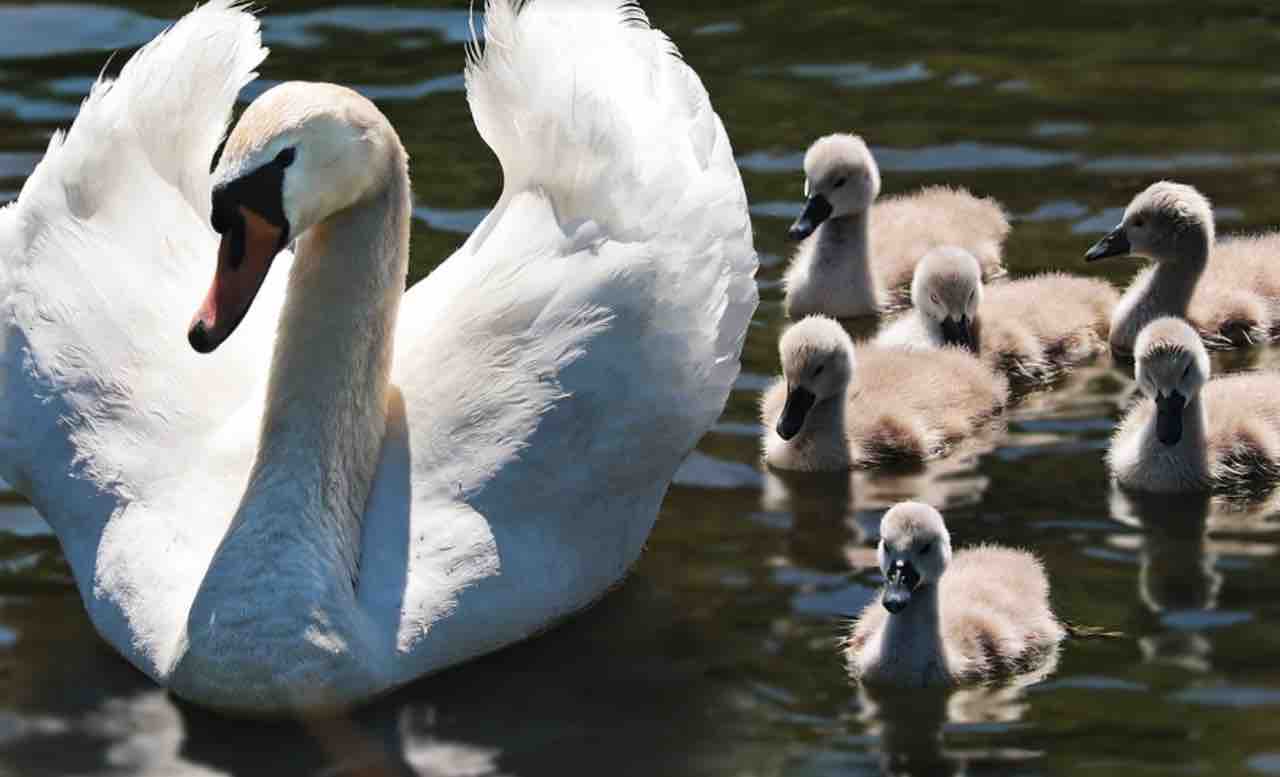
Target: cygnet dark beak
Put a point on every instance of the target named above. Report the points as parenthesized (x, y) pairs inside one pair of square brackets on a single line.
[(1169, 417), (1115, 243), (959, 332), (816, 211), (899, 583), (800, 401)]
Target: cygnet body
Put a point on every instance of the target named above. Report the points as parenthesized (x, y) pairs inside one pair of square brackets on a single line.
[(1190, 433), (830, 411), (940, 620), (856, 258), (1030, 328), (1228, 290)]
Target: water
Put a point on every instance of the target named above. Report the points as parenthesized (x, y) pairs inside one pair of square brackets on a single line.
[(718, 656)]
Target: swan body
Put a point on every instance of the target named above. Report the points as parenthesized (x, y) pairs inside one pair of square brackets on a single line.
[(832, 411), (1192, 434), (857, 258), (1228, 289), (944, 620), (353, 486), (1031, 328)]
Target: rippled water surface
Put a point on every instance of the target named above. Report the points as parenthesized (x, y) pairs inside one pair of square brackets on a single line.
[(718, 656)]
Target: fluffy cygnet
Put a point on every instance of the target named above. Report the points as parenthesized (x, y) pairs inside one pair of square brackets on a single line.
[(941, 620), (1030, 328), (1228, 290), (830, 411), (856, 258), (1190, 433)]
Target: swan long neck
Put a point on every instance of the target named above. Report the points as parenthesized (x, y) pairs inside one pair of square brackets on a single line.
[(843, 244), (915, 634), (326, 403), (1174, 282), (827, 419), (1167, 291)]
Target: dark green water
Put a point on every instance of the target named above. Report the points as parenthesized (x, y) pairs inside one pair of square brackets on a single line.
[(718, 656)]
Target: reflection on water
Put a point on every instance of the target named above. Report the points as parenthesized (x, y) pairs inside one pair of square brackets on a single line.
[(718, 656), (911, 724)]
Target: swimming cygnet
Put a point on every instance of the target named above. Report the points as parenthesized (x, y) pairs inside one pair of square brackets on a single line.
[(1190, 433), (830, 411), (941, 620), (857, 259), (1029, 328), (1229, 290)]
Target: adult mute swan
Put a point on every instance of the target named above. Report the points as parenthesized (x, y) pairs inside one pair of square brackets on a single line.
[(380, 487)]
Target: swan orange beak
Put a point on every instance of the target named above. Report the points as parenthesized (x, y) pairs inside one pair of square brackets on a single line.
[(244, 257)]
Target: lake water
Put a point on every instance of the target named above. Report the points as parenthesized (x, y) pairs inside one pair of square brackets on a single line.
[(718, 656)]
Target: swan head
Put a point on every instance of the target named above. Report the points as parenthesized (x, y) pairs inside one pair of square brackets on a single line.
[(914, 550), (947, 289), (1161, 223), (1171, 366), (817, 362), (840, 178), (300, 153)]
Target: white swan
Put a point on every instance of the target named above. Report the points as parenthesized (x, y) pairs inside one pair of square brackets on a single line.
[(399, 493), (943, 621)]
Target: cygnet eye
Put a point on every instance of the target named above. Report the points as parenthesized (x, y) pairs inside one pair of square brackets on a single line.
[(818, 371), (925, 548), (839, 182), (1187, 372), (1139, 222), (286, 156), (934, 298)]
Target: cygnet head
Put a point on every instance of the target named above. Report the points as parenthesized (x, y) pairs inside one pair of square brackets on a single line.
[(914, 551), (840, 178), (947, 289), (1160, 224), (817, 362), (300, 153), (1171, 366)]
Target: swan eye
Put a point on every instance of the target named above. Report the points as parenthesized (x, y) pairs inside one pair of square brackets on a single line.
[(818, 371), (286, 156), (935, 299), (1187, 372), (924, 549), (1139, 222), (839, 182)]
